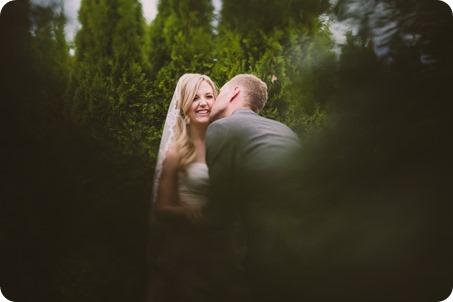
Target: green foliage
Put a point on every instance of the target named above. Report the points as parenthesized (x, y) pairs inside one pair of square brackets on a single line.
[(312, 70), (287, 45), (229, 57), (181, 39), (110, 86), (35, 68)]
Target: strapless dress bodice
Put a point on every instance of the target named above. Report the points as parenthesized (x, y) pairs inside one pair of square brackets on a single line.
[(193, 184)]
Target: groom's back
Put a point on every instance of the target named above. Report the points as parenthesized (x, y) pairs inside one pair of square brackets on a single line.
[(257, 155), (260, 142), (254, 181)]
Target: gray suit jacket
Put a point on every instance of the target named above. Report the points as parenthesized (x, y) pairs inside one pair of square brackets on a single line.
[(249, 159)]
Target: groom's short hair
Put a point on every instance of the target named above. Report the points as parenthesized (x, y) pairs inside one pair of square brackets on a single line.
[(255, 95)]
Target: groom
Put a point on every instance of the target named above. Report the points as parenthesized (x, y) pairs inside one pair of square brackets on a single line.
[(249, 159)]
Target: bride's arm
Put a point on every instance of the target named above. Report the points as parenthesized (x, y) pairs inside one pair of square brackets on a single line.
[(167, 205)]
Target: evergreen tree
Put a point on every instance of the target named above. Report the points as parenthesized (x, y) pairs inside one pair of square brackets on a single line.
[(52, 65), (311, 73), (182, 36), (181, 41), (34, 74), (287, 45), (109, 89), (16, 59), (160, 49)]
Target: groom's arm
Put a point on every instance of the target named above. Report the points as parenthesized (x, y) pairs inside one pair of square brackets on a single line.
[(220, 154)]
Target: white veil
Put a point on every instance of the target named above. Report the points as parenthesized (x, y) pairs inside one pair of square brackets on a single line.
[(168, 135)]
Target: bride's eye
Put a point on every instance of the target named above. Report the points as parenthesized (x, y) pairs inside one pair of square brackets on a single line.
[(196, 98)]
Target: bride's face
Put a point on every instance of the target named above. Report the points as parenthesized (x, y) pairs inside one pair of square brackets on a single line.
[(200, 108)]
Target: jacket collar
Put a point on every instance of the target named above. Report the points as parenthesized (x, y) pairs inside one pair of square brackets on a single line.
[(243, 111)]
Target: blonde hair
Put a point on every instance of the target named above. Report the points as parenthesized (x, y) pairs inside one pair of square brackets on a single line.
[(255, 90), (189, 84)]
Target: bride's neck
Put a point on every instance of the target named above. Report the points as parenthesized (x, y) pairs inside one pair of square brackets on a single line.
[(198, 139), (198, 133)]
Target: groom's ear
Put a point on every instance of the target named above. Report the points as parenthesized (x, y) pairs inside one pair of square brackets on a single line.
[(235, 93)]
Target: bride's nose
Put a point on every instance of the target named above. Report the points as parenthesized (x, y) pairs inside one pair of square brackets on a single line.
[(203, 103)]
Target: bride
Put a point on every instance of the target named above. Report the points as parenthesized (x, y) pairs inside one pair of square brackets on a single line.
[(189, 262), (181, 180)]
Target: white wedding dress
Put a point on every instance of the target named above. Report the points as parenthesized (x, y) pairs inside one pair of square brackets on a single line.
[(193, 184)]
